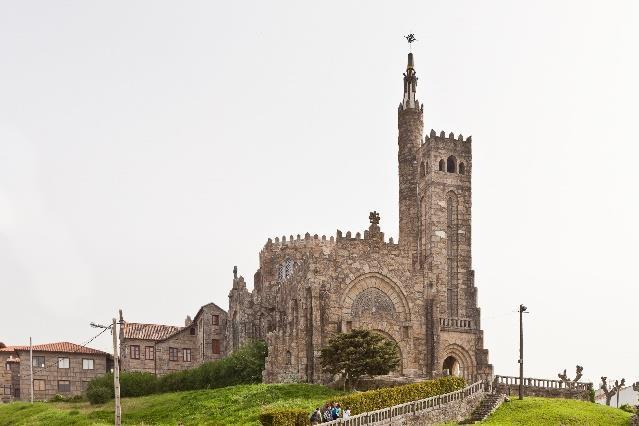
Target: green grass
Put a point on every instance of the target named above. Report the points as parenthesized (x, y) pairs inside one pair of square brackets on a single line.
[(235, 405), (546, 411)]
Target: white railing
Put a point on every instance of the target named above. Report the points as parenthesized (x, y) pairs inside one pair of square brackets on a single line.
[(541, 383), (413, 407)]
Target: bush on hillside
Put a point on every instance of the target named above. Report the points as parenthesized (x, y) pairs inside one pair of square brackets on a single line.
[(628, 408), (284, 417), (61, 398), (362, 402), (244, 366), (99, 394)]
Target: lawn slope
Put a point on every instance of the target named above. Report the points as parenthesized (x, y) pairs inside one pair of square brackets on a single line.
[(546, 411), (235, 405)]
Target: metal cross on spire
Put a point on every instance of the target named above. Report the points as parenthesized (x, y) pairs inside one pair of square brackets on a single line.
[(410, 38)]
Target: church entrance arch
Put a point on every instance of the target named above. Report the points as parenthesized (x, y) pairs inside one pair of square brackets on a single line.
[(374, 302)]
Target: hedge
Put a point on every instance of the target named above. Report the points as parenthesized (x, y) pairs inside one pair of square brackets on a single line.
[(377, 399), (361, 402), (243, 366), (285, 417)]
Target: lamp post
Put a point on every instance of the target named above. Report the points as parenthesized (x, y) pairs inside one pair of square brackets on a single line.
[(522, 309)]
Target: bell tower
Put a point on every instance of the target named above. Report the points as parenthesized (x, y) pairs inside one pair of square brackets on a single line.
[(410, 122)]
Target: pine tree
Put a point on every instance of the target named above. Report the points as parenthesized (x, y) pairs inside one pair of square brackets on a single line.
[(359, 353)]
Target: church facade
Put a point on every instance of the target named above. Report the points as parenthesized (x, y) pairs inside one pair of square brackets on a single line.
[(418, 291)]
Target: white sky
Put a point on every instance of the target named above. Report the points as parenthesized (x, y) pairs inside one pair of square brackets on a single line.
[(147, 147)]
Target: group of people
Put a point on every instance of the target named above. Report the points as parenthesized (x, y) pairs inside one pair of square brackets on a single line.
[(329, 412)]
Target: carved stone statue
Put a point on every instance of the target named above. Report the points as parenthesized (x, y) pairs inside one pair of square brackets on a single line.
[(374, 218)]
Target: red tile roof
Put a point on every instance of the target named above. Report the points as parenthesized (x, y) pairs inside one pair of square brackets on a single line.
[(65, 347), (134, 330)]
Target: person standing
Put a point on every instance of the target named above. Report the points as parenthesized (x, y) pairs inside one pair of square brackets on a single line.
[(347, 413), (316, 417)]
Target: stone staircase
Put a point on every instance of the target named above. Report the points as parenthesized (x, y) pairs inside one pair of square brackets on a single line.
[(489, 404)]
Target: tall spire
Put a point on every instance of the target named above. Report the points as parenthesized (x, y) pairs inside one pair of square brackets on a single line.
[(410, 85)]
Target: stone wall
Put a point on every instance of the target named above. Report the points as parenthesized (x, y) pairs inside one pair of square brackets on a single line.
[(75, 374), (455, 411), (203, 338)]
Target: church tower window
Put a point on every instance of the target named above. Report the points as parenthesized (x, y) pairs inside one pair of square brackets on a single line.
[(451, 164)]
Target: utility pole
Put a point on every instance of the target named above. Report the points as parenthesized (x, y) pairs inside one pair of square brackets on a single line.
[(31, 367), (116, 375), (522, 309)]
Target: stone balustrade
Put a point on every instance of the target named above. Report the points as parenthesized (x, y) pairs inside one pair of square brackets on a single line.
[(457, 323), (392, 415), (542, 383)]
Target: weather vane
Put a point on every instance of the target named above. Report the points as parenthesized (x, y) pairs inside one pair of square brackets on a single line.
[(410, 38)]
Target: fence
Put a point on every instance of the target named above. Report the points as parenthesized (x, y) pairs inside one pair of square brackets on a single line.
[(413, 407), (541, 383)]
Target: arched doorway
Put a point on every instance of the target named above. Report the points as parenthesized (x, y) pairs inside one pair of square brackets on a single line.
[(452, 367)]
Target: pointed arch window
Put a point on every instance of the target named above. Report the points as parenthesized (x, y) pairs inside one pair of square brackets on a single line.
[(442, 165)]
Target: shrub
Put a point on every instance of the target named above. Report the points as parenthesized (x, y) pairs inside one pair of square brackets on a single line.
[(628, 408), (99, 395), (138, 384), (284, 417), (62, 398), (591, 395), (244, 366), (362, 402)]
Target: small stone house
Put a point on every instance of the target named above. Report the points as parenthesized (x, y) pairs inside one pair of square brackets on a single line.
[(58, 368), (162, 349)]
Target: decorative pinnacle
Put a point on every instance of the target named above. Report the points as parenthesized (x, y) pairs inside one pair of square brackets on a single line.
[(374, 218)]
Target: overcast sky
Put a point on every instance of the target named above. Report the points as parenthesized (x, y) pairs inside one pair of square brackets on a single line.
[(148, 147)]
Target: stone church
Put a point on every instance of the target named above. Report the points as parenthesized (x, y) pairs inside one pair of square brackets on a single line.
[(419, 291)]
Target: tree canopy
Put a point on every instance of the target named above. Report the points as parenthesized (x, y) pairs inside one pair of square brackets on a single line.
[(359, 353)]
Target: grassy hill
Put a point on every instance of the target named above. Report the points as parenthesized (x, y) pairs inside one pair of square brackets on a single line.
[(545, 411), (235, 405)]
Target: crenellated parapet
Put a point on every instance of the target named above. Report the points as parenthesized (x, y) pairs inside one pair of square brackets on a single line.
[(433, 136)]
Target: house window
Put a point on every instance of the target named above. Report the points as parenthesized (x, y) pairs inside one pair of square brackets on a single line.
[(87, 364), (39, 385), (149, 352), (192, 331), (64, 386), (134, 351), (215, 347), (38, 361), (8, 366), (63, 362), (215, 320), (186, 355), (7, 390), (173, 354)]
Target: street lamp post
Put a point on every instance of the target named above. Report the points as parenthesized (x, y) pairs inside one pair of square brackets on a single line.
[(522, 309)]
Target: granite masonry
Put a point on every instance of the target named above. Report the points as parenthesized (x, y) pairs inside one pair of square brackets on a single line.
[(162, 349), (419, 291), (58, 368)]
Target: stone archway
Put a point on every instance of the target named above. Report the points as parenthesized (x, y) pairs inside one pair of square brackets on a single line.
[(458, 361), (451, 366), (374, 302)]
